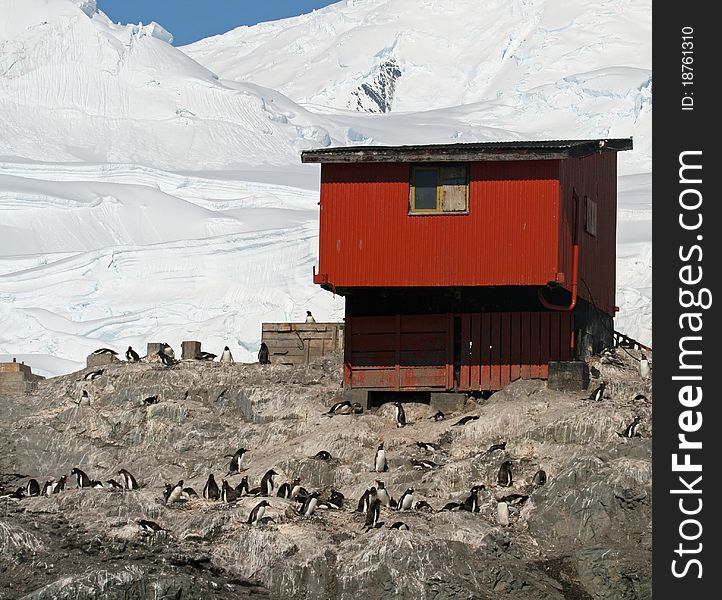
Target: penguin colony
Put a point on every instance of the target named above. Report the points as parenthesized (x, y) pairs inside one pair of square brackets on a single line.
[(373, 503)]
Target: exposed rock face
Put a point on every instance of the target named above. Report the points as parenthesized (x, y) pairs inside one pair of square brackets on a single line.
[(377, 96), (585, 534)]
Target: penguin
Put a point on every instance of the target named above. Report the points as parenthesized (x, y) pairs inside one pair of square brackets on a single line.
[(428, 446), (267, 483), (399, 415), (399, 525), (406, 502), (210, 490), (594, 372), (93, 375), (166, 360), (322, 455), (437, 416), (83, 397), (242, 488), (59, 485), (380, 463), (226, 356), (365, 501), (150, 400), (423, 464), (284, 490), (228, 494), (339, 408), (114, 484), (82, 479), (32, 488), (382, 493), (598, 394), (511, 499), (644, 369), (128, 481), (608, 356), (175, 494), (167, 350), (18, 494), (131, 355), (495, 447), (96, 484), (641, 398), (424, 506), (471, 504), (336, 500), (465, 420), (540, 478), (264, 354), (189, 491), (630, 430), (106, 351), (310, 505), (295, 488), (452, 506), (372, 514), (48, 488), (504, 476), (309, 317), (235, 467), (257, 513), (205, 356), (150, 526), (356, 408)]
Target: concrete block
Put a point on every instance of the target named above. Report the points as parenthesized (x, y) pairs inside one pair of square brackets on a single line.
[(152, 349), (356, 395), (568, 376), (99, 360), (190, 349), (447, 402)]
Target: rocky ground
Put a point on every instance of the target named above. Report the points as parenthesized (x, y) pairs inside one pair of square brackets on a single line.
[(585, 534)]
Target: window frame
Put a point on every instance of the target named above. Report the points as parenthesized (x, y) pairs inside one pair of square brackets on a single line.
[(438, 210)]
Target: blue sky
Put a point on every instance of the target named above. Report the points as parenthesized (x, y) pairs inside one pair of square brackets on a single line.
[(192, 20)]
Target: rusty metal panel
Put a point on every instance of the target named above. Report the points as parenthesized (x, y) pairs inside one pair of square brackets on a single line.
[(368, 238)]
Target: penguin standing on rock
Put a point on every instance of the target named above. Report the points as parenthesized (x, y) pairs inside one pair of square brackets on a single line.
[(82, 479), (235, 466), (406, 502), (210, 490), (373, 512), (644, 369), (83, 397), (264, 355), (131, 355), (399, 414), (471, 504), (32, 488), (257, 513), (382, 493), (309, 317), (226, 357), (380, 463), (598, 394), (504, 476), (309, 506), (366, 499), (175, 493), (631, 430), (166, 360), (267, 485)]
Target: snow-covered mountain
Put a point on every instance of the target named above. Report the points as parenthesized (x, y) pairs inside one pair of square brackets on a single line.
[(150, 193)]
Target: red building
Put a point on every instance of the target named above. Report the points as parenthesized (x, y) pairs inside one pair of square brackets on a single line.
[(467, 266)]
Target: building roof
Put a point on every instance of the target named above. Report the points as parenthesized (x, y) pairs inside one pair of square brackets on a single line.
[(477, 151)]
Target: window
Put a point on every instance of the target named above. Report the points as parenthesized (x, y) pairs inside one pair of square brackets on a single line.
[(590, 216), (439, 189)]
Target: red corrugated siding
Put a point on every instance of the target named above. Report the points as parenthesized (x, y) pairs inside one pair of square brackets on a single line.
[(509, 237)]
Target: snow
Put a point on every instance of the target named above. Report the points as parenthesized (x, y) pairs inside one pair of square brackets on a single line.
[(150, 193)]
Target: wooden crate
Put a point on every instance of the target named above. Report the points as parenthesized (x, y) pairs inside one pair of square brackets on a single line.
[(301, 343)]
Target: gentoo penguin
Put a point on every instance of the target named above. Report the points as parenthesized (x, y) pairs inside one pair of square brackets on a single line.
[(128, 481), (365, 501), (48, 487), (423, 505), (150, 526), (423, 464), (465, 420), (210, 490), (59, 485), (598, 394), (96, 484), (471, 504), (267, 484), (264, 356), (131, 355), (540, 477), (641, 398), (339, 408), (226, 357), (495, 447), (18, 494), (356, 408), (428, 446), (205, 356), (382, 493), (167, 350), (380, 464), (295, 488), (284, 490), (644, 369), (608, 356), (513, 499), (309, 506), (406, 502), (93, 375), (452, 506), (189, 491), (150, 400), (82, 479), (32, 488), (630, 430), (114, 484), (83, 397), (437, 416), (504, 476), (106, 351), (309, 317), (166, 360), (235, 467), (336, 500), (257, 513), (399, 525), (175, 494), (399, 414), (322, 455), (228, 494), (242, 488), (373, 512)]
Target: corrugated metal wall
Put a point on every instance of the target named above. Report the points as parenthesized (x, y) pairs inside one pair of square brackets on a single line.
[(509, 236)]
